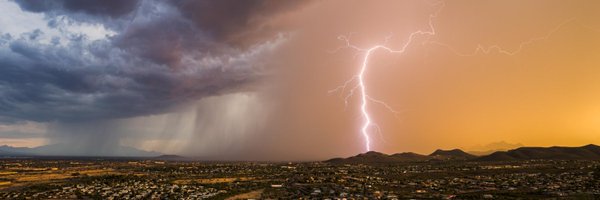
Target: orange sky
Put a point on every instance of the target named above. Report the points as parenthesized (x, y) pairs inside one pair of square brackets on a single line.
[(546, 94)]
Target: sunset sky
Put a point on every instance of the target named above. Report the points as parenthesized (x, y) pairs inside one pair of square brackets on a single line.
[(256, 80)]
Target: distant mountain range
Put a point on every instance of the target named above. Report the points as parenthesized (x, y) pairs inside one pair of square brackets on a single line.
[(71, 150), (376, 157), (482, 150), (454, 154), (588, 152)]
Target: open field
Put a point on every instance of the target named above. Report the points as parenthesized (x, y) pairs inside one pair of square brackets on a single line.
[(256, 194)]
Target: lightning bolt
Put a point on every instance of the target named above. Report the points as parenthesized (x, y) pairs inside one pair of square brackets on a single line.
[(481, 49), (358, 81)]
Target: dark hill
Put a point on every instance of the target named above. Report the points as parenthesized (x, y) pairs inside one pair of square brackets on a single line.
[(373, 157), (454, 154), (410, 156), (588, 152), (370, 157)]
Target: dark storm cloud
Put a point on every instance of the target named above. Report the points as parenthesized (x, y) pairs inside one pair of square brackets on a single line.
[(231, 19), (113, 8), (55, 83), (19, 135), (161, 56)]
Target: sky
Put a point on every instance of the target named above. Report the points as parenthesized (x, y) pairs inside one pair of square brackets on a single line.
[(260, 79)]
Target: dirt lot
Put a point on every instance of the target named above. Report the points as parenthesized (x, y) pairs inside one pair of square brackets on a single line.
[(256, 194)]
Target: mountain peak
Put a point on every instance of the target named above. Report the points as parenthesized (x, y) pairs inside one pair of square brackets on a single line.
[(587, 152), (373, 157), (448, 152), (372, 153), (451, 154)]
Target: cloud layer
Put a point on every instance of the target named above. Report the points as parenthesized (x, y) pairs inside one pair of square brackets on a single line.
[(153, 55)]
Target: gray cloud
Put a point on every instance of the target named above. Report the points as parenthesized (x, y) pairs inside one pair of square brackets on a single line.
[(19, 135), (228, 20), (113, 8), (161, 56)]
